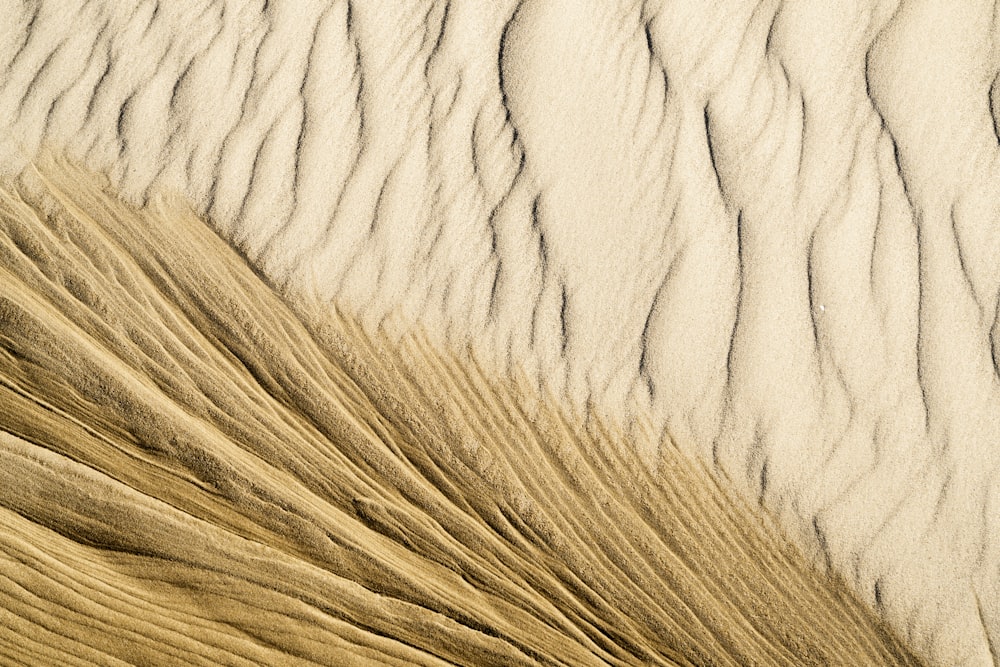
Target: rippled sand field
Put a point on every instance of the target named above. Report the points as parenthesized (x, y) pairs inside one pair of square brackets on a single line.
[(757, 236)]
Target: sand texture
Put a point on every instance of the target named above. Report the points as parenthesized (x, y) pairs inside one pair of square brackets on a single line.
[(766, 232), (191, 475)]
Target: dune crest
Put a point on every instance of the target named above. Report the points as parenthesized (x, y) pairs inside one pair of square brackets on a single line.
[(191, 472)]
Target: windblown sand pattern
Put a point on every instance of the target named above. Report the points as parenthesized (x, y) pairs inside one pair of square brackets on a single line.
[(194, 471), (194, 474), (768, 228)]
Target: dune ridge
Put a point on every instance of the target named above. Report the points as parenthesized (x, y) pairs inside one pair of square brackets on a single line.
[(194, 470)]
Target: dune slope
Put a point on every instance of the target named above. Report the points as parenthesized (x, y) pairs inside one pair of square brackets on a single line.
[(192, 472)]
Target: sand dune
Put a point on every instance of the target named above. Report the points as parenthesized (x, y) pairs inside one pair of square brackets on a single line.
[(767, 229), (191, 473)]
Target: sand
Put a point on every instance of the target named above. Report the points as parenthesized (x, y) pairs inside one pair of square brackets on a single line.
[(767, 229), (195, 474)]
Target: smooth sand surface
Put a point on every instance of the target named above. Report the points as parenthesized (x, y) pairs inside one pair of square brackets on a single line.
[(770, 228)]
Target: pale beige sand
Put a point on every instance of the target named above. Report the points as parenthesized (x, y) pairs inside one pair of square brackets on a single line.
[(191, 475), (769, 225)]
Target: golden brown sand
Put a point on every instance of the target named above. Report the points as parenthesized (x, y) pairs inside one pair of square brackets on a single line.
[(192, 471)]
